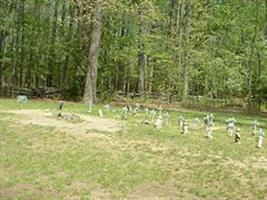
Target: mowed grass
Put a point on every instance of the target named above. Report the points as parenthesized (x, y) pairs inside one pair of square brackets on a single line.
[(138, 162)]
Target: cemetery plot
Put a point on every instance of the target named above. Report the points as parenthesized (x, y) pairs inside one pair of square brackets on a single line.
[(55, 150)]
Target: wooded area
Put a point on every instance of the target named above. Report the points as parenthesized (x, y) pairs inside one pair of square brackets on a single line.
[(95, 49)]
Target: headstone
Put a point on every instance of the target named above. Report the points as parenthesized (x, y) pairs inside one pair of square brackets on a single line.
[(230, 126), (158, 122), (260, 138), (209, 123), (137, 106), (255, 127), (153, 114), (180, 122), (100, 112), (22, 99), (90, 107), (195, 123), (237, 136), (166, 116), (134, 111), (209, 132), (107, 108), (146, 111), (185, 130), (124, 112), (211, 119)]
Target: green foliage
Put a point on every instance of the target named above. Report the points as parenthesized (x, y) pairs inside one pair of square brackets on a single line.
[(215, 49)]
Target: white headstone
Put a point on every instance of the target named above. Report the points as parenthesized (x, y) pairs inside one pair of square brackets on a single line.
[(185, 129), (90, 107), (181, 121), (230, 126), (195, 123), (166, 116), (158, 122), (209, 133), (153, 114), (260, 138), (22, 99), (107, 108), (100, 112), (124, 112), (255, 127)]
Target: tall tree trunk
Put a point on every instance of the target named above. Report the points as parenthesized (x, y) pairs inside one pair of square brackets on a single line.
[(65, 68), (22, 39), (141, 56), (266, 20), (185, 45), (250, 106), (3, 35), (51, 56), (90, 95)]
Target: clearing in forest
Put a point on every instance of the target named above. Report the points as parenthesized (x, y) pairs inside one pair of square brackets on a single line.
[(42, 157)]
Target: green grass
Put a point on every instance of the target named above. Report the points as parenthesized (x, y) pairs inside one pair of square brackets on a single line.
[(138, 162)]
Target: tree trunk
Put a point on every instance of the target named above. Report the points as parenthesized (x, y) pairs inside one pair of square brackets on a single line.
[(185, 45), (250, 105), (65, 68), (3, 35), (91, 77), (266, 20), (22, 40), (141, 56), (51, 56)]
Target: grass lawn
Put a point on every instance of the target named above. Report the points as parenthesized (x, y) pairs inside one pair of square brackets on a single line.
[(136, 162)]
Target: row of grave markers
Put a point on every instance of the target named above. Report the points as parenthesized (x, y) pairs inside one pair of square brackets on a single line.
[(160, 119)]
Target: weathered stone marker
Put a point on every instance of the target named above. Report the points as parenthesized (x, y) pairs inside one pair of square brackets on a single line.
[(146, 111), (100, 112), (185, 130), (22, 99), (180, 122), (124, 112), (260, 138), (255, 127), (209, 133), (158, 122), (166, 116), (230, 126), (153, 114), (209, 123), (195, 123), (90, 107), (107, 108)]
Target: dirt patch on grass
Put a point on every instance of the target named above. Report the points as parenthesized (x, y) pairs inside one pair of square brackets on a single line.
[(259, 163), (165, 191), (85, 125), (101, 194), (26, 191)]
